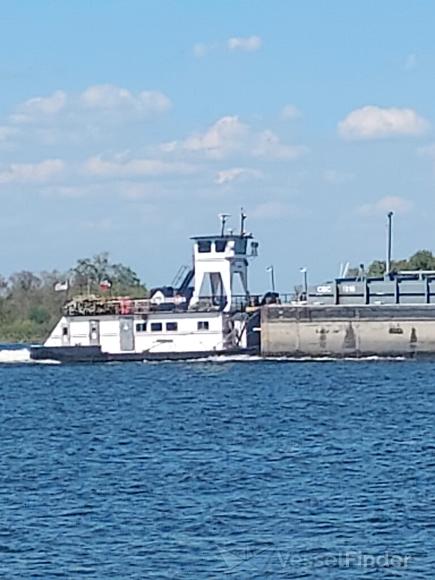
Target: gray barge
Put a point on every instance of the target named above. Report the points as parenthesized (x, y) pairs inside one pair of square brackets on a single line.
[(348, 331), (359, 316)]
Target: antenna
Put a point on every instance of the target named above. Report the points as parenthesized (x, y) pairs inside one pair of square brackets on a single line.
[(223, 217), (243, 217)]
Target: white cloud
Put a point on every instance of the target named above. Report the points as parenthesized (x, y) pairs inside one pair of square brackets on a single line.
[(229, 136), (74, 109), (244, 43), (40, 107), (268, 144), (386, 204), (290, 112), (221, 138), (121, 167), (32, 172), (371, 122), (233, 44), (109, 97), (226, 176)]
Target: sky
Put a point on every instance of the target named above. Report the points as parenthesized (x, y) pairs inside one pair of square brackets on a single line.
[(127, 126)]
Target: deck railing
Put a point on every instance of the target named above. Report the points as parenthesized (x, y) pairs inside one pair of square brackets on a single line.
[(125, 306)]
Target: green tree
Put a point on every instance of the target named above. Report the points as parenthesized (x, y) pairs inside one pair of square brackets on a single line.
[(88, 273), (30, 307), (125, 280), (39, 314), (422, 260), (376, 268)]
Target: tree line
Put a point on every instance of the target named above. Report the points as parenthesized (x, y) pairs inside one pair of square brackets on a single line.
[(421, 260), (31, 303)]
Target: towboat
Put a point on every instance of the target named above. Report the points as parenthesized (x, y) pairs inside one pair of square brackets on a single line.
[(198, 317)]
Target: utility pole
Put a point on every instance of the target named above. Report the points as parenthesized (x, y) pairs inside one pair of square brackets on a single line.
[(304, 272), (389, 241)]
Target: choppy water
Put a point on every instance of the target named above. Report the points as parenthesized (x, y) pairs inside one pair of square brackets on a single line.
[(217, 470)]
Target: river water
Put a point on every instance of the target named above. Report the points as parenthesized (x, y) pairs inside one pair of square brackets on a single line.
[(214, 469)]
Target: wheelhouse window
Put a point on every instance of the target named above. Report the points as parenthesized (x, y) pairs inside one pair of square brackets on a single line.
[(172, 326), (204, 246), (156, 327), (141, 327), (203, 325), (241, 245), (220, 245)]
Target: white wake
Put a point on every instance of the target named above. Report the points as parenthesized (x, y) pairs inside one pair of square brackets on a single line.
[(21, 356), (248, 358), (18, 355)]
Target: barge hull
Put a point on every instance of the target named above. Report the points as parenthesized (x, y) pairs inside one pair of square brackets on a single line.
[(348, 331)]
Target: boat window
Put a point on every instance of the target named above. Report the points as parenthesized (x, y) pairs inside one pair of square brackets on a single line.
[(141, 327), (65, 331), (172, 326), (220, 245), (156, 326), (241, 245), (204, 246), (203, 325)]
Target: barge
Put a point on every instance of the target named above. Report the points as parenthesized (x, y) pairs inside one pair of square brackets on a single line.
[(356, 316)]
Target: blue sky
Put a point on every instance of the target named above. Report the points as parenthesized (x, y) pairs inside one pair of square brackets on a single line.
[(129, 125)]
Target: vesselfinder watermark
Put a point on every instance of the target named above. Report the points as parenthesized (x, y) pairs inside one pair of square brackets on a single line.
[(282, 558)]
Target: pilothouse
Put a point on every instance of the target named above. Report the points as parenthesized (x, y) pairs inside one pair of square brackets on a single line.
[(209, 311)]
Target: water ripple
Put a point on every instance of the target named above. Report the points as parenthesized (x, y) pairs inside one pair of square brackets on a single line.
[(210, 470)]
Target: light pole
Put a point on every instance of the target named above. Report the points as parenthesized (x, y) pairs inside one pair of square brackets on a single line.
[(304, 272), (272, 276), (389, 241)]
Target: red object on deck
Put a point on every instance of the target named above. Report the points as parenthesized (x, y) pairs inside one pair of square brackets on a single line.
[(126, 306)]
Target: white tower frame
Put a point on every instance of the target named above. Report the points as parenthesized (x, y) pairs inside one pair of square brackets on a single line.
[(219, 260)]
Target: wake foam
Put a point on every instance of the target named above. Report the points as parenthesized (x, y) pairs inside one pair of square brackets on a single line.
[(22, 355), (19, 355), (247, 358)]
